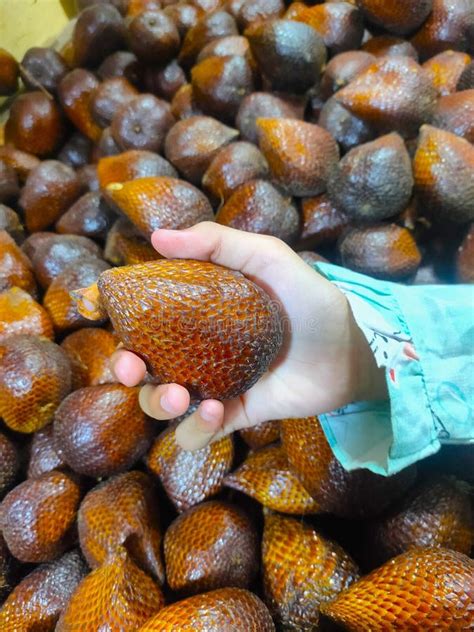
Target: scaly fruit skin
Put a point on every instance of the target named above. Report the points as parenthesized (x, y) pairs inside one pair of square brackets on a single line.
[(342, 69), (389, 46), (21, 161), (21, 314), (261, 435), (322, 222), (9, 464), (423, 589), (38, 516), (159, 202), (301, 570), (455, 113), (75, 92), (262, 105), (187, 320), (9, 220), (209, 27), (189, 477), (353, 495), (116, 596), (35, 376), (212, 545), (444, 175), (89, 351), (122, 509), (233, 609), (133, 164), (43, 456), (125, 245), (90, 216), (300, 155), (15, 267), (267, 477), (445, 69), (38, 600), (401, 17)]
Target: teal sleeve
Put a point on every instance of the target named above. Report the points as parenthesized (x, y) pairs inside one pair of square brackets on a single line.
[(429, 332)]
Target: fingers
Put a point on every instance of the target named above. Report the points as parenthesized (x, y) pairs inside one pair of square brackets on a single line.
[(197, 430), (164, 402), (127, 367)]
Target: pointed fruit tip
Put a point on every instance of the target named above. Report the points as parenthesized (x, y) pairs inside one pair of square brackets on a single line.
[(88, 302)]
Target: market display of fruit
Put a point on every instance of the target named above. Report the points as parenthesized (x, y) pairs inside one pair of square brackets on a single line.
[(344, 128)]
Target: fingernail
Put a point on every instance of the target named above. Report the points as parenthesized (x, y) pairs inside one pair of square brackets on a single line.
[(166, 404), (207, 415)]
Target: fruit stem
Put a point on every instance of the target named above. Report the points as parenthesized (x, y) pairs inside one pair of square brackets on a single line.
[(88, 302)]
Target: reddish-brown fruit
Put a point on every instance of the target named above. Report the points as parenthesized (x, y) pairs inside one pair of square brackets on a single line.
[(53, 255), (111, 95), (43, 456), (21, 161), (98, 32), (389, 46), (301, 570), (126, 246), (449, 26), (164, 82), (262, 105), (401, 17), (445, 69), (191, 145), (257, 207), (38, 516), (101, 430), (35, 124), (75, 92), (184, 15), (355, 494), (224, 46), (42, 68), (76, 151), (89, 216), (266, 476), (10, 222), (340, 24), (428, 589), (159, 202), (322, 222), (34, 241), (116, 596), (9, 188), (106, 145), (131, 165), (153, 37), (9, 467), (122, 511), (6, 567), (311, 258), (8, 73), (89, 351), (212, 545), (394, 94), (342, 69), (210, 27), (183, 105), (38, 600), (15, 267), (465, 258), (455, 113), (444, 175), (261, 435), (347, 129), (88, 178), (121, 64), (135, 7), (21, 314), (189, 477), (233, 609), (34, 377), (182, 341), (301, 155), (466, 80)]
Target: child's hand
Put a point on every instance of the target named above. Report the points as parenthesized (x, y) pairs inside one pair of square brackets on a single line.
[(325, 361)]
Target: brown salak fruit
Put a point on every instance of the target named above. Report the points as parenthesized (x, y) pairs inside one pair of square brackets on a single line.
[(34, 377), (224, 46), (122, 511), (401, 17), (122, 63), (257, 207), (35, 124), (42, 68), (191, 145), (90, 216), (212, 545), (385, 251), (233, 609), (53, 255), (99, 31), (58, 301), (164, 82), (339, 23), (301, 570), (250, 11), (88, 178), (135, 7), (8, 73), (449, 26), (465, 258), (348, 130), (183, 105), (373, 181), (10, 222), (262, 105), (353, 495), (444, 175), (261, 435), (49, 191), (21, 161), (184, 15), (209, 27), (9, 464), (267, 477), (43, 456), (342, 69), (159, 202), (109, 97), (393, 94), (235, 164), (435, 513), (311, 258), (116, 596), (126, 246), (389, 46), (9, 188), (7, 565), (322, 222), (106, 145), (21, 314), (289, 54), (455, 113), (153, 36), (101, 430), (75, 93), (37, 517), (38, 600), (189, 477), (172, 314), (301, 156), (466, 80), (425, 589), (142, 123), (76, 151), (89, 351), (15, 267), (445, 69), (219, 85), (131, 165)]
